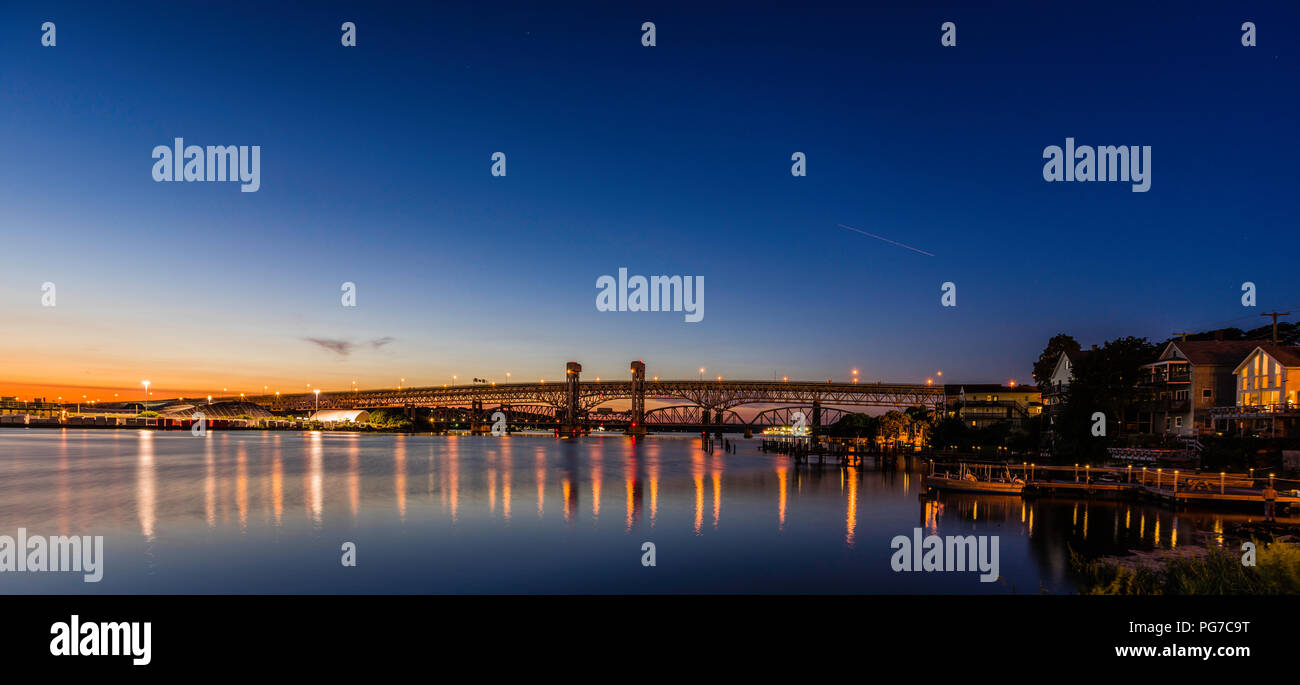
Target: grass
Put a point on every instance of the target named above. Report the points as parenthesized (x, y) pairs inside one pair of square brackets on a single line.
[(1217, 572)]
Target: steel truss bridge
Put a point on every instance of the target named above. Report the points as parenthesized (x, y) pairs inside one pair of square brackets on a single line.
[(574, 405)]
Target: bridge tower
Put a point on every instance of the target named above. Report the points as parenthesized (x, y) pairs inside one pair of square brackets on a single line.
[(817, 417), (572, 420), (637, 427), (476, 417)]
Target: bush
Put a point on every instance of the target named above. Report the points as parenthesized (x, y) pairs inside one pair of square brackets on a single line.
[(390, 419)]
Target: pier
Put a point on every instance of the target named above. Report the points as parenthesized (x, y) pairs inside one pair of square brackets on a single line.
[(1175, 488)]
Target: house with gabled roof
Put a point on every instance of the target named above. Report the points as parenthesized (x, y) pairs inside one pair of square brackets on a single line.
[(1267, 386), (1186, 382)]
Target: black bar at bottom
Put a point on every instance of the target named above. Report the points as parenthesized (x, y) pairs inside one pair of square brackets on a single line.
[(530, 636)]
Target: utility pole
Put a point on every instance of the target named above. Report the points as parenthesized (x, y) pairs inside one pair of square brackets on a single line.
[(1275, 315), (1184, 334)]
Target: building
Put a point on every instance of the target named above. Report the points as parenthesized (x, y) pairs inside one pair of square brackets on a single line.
[(983, 405), (343, 415), (1269, 377), (215, 410), (1186, 382), (1062, 375), (1267, 392)]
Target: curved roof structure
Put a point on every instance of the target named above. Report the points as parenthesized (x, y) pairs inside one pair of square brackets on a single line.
[(217, 410), (336, 415)]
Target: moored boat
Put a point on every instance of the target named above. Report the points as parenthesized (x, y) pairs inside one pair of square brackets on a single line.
[(967, 481)]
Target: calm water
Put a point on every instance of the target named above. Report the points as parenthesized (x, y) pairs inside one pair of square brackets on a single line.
[(254, 512)]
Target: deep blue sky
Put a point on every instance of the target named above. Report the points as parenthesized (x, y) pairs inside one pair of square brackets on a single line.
[(666, 160)]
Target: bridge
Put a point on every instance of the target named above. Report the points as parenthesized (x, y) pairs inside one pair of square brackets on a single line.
[(574, 405)]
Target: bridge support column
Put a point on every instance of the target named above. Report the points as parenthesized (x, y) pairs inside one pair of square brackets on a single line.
[(476, 417), (572, 423), (637, 425), (817, 418), (717, 421)]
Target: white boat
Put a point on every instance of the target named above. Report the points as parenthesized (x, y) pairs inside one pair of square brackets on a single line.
[(967, 481)]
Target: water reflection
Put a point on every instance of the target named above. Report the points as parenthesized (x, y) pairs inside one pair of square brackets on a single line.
[(146, 488), (261, 501), (315, 476), (507, 470), (782, 471), (851, 516)]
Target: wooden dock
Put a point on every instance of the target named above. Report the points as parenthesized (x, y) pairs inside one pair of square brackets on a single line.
[(1176, 488)]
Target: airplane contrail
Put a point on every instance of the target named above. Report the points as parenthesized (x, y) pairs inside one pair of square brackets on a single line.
[(891, 242)]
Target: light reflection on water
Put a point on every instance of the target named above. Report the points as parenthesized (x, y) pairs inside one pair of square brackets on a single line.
[(268, 512)]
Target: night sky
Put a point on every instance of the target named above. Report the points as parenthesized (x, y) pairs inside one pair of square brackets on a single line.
[(673, 159)]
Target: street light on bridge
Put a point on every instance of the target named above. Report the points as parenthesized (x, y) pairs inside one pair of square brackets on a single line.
[(317, 400), (146, 394)]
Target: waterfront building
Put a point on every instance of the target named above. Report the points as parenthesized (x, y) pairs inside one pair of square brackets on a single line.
[(983, 405), (1062, 375), (343, 415), (1186, 382), (1267, 392)]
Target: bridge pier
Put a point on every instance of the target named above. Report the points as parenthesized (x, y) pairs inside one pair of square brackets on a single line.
[(637, 424), (476, 417), (572, 423)]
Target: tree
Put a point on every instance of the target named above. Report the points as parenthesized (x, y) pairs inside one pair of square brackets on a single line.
[(1051, 354), (921, 422), (892, 424), (951, 433), (855, 425), (1287, 334), (1104, 381)]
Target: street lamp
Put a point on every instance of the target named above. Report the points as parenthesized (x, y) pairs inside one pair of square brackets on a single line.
[(317, 400), (146, 394), (701, 373)]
